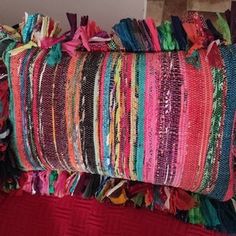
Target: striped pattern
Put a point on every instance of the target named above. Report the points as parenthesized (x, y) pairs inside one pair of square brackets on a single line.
[(147, 117)]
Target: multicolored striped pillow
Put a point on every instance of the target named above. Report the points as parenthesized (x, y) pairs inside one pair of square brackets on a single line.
[(150, 117)]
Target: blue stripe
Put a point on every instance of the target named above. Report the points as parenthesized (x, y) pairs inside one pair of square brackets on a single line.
[(106, 117), (222, 183), (141, 99)]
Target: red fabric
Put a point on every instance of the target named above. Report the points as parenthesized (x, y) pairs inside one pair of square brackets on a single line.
[(71, 216)]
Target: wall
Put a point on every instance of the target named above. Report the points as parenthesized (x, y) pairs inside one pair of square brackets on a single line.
[(105, 12), (209, 5)]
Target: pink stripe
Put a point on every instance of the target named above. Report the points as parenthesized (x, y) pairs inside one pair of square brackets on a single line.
[(151, 119), (154, 34), (200, 105)]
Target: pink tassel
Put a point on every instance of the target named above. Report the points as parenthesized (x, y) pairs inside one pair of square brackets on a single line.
[(82, 34), (60, 184), (70, 46), (149, 197), (92, 29), (44, 182), (28, 184), (154, 34), (181, 200), (213, 54), (47, 42), (79, 38), (69, 182), (168, 194)]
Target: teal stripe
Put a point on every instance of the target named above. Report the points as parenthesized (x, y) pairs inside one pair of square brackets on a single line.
[(217, 114), (222, 182), (140, 74), (106, 117)]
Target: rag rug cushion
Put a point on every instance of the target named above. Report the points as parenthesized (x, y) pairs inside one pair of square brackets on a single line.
[(149, 117)]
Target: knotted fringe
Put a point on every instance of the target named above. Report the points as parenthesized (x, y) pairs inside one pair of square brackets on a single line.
[(55, 55), (188, 207)]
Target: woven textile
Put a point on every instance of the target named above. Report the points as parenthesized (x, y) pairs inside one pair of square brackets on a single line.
[(148, 117)]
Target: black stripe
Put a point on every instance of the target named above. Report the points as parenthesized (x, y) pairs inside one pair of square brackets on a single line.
[(89, 72)]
